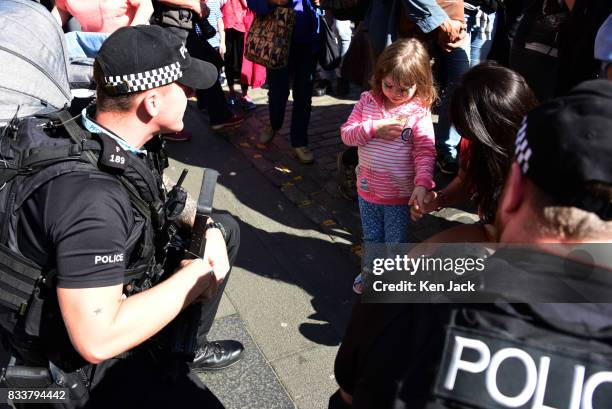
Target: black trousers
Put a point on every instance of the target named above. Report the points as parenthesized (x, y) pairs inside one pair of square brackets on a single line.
[(234, 42), (144, 381), (232, 241), (387, 345)]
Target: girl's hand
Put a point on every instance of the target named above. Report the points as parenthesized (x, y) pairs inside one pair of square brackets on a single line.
[(418, 195), (429, 205), (388, 129)]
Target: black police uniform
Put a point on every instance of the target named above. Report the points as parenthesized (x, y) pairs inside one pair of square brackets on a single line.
[(82, 226), (405, 356)]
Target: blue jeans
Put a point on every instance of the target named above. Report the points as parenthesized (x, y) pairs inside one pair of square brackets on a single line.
[(83, 45), (301, 68), (342, 28), (451, 66), (475, 50), (478, 47), (384, 223)]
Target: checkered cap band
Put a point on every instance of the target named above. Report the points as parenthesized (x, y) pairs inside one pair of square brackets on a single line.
[(523, 151), (143, 81)]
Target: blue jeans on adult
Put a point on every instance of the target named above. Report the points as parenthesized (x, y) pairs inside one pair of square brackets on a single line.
[(451, 66), (479, 43), (301, 68), (474, 51), (342, 28)]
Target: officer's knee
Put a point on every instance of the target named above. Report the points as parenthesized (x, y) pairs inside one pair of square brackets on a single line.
[(232, 232)]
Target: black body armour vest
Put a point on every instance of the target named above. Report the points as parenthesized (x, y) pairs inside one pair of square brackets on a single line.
[(37, 150), (518, 353)]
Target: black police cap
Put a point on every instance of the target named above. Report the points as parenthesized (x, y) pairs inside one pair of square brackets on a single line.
[(140, 58), (564, 146)]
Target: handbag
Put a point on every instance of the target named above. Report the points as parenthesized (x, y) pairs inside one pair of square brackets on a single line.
[(329, 52), (269, 38)]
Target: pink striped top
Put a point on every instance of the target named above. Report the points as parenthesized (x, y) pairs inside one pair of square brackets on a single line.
[(388, 171)]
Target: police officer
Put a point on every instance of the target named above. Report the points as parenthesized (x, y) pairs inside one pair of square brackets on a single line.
[(546, 341), (86, 229)]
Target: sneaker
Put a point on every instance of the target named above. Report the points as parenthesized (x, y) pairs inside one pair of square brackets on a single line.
[(266, 135), (447, 165), (247, 103), (358, 284), (182, 136), (303, 154), (230, 122)]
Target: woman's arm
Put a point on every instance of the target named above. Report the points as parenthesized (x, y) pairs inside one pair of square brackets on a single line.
[(144, 10), (221, 30), (455, 192)]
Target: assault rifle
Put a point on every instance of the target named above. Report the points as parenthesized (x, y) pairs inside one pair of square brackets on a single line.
[(184, 331)]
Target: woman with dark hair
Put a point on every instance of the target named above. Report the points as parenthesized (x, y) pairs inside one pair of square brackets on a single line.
[(486, 109)]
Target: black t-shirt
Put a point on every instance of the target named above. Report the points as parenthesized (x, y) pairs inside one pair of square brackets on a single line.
[(79, 224)]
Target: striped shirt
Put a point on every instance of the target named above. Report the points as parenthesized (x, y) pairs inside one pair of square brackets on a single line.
[(388, 171), (213, 19)]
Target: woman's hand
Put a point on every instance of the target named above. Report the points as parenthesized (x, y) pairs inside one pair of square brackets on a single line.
[(388, 129), (451, 34), (429, 204)]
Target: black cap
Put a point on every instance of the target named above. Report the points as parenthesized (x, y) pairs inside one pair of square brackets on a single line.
[(564, 146), (139, 58)]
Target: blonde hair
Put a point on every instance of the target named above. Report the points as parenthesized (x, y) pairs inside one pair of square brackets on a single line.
[(408, 63)]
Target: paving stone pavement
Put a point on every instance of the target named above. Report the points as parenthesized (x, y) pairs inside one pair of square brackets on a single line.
[(313, 188)]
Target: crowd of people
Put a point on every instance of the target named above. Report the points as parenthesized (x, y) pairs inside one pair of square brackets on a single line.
[(523, 97)]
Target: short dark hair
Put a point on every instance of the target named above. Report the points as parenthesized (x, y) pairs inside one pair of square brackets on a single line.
[(106, 102), (568, 222), (487, 109)]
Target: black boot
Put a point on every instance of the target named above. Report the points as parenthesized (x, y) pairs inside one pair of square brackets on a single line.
[(217, 355)]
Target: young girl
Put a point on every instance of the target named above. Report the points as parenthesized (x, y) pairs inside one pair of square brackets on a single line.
[(392, 127)]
